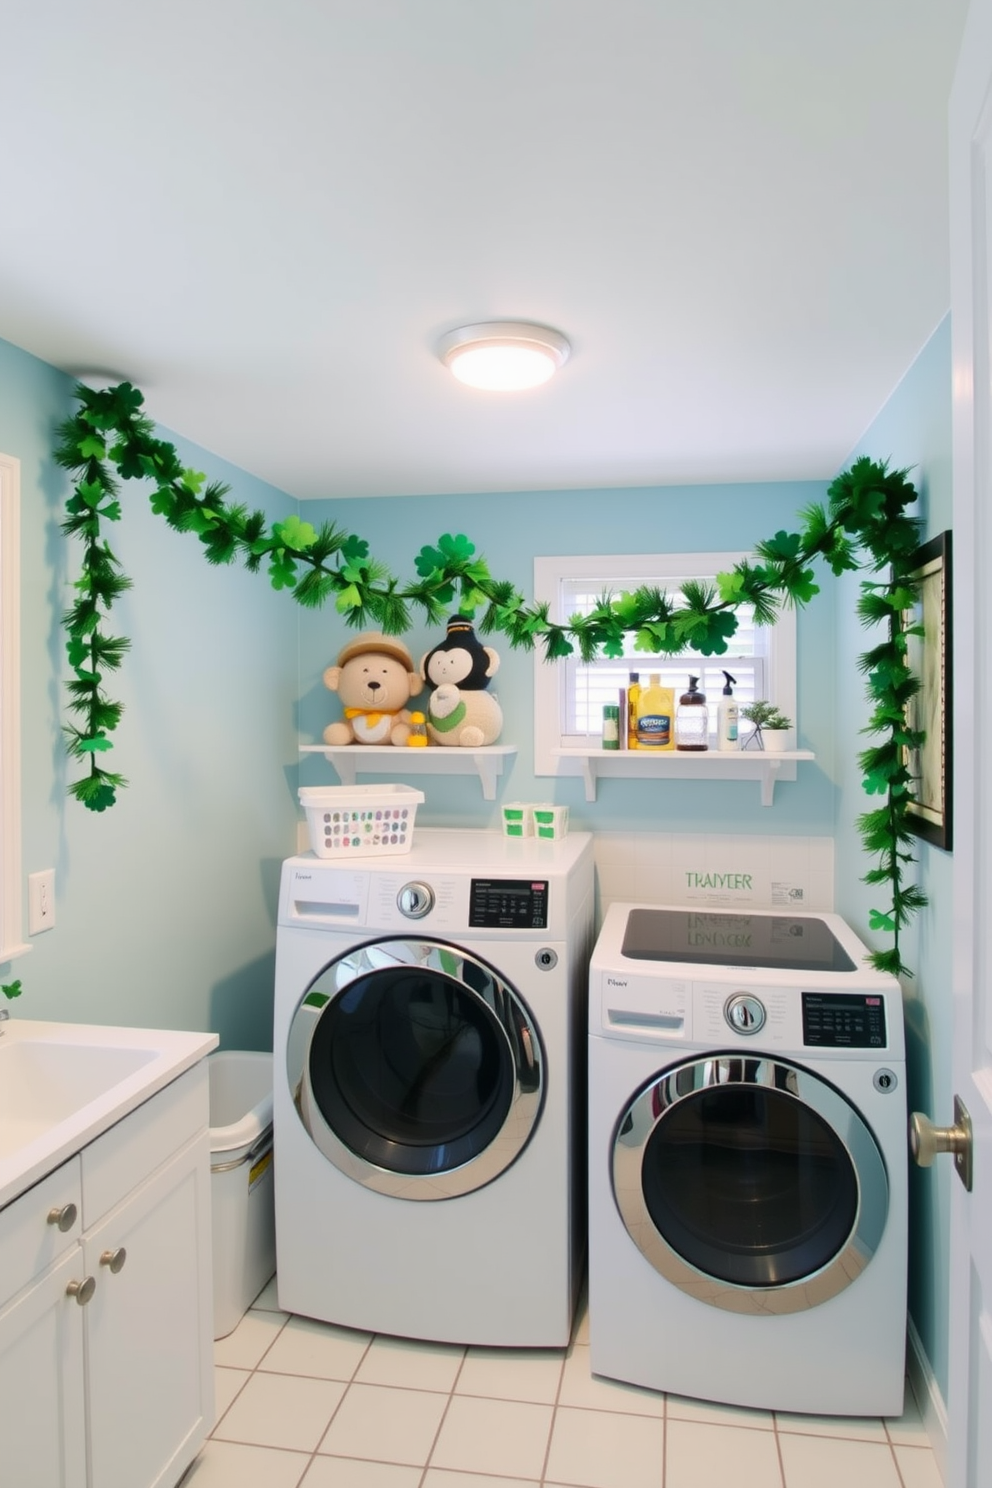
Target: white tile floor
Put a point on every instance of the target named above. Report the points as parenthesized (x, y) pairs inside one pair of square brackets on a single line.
[(307, 1405)]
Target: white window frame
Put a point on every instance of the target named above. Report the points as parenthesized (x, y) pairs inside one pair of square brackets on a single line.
[(11, 897), (626, 571)]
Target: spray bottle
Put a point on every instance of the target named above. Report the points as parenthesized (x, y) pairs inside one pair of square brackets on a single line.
[(727, 715)]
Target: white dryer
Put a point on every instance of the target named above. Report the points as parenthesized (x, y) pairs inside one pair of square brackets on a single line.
[(429, 1044), (748, 1155)]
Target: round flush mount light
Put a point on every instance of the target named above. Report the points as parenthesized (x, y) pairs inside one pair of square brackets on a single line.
[(503, 356)]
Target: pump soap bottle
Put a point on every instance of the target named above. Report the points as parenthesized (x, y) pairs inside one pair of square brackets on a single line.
[(692, 719), (727, 716)]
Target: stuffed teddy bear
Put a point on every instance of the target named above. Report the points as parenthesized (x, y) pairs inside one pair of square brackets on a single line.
[(375, 679), (461, 711)]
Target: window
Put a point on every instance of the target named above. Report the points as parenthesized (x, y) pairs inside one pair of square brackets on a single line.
[(569, 696), (10, 722)]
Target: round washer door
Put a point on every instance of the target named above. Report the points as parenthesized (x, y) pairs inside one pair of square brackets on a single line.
[(415, 1068), (750, 1184)]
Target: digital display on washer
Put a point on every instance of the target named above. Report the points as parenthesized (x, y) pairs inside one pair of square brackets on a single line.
[(508, 904), (785, 942), (843, 1020)]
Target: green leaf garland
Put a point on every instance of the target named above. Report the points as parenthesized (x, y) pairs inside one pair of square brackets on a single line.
[(864, 525)]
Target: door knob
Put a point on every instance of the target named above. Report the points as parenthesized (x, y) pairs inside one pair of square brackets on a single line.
[(114, 1259), (927, 1141)]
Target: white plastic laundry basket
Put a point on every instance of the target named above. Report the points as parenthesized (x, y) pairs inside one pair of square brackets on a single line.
[(242, 1196), (348, 821)]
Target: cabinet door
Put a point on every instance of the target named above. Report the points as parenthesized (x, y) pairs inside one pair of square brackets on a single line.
[(149, 1328), (42, 1400)]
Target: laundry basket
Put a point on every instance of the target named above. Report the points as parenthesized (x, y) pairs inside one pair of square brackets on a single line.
[(346, 821), (242, 1196)]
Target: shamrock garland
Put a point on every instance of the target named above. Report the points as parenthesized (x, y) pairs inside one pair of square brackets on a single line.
[(864, 525)]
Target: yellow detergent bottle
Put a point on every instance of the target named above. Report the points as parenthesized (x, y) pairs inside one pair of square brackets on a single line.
[(655, 709)]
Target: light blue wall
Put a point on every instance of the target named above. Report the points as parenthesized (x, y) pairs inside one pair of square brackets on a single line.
[(510, 530), (165, 904), (913, 429)]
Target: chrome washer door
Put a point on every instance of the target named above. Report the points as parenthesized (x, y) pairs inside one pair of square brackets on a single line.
[(415, 1068), (750, 1184)]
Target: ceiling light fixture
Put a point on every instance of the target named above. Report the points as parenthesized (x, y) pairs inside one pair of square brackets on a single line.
[(503, 356)]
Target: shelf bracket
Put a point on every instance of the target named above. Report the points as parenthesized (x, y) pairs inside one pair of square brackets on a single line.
[(768, 779), (488, 766), (346, 767), (589, 773)]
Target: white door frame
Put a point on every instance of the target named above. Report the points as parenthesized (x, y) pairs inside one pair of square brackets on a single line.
[(969, 1402)]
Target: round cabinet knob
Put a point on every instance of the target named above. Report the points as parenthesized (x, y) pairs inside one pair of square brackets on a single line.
[(745, 1014), (82, 1290), (415, 900), (64, 1218), (114, 1259)]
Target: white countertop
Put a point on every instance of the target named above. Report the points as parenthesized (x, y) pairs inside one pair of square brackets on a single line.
[(166, 1054)]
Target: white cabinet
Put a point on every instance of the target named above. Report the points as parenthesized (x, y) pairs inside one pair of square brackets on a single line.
[(42, 1423), (116, 1392)]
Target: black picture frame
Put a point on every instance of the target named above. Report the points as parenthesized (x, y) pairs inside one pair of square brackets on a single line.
[(930, 815)]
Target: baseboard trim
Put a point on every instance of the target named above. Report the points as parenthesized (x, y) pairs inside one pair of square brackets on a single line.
[(928, 1397)]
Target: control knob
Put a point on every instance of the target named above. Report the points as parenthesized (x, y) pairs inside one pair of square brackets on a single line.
[(415, 900), (744, 1013)]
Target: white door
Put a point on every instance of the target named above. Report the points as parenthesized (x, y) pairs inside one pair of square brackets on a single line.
[(970, 1384)]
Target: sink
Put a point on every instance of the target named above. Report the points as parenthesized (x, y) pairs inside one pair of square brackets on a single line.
[(43, 1084), (63, 1084)]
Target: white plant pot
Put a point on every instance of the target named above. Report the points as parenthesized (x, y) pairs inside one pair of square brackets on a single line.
[(776, 741)]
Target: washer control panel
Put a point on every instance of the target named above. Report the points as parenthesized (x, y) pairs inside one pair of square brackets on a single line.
[(843, 1020), (508, 904), (785, 1020)]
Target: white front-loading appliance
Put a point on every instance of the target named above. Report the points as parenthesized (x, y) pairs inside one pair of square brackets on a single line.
[(748, 1155), (429, 1044)]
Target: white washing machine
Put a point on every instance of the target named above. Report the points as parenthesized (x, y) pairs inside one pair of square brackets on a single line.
[(429, 1047), (748, 1155)]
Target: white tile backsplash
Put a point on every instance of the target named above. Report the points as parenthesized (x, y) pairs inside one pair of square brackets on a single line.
[(714, 869)]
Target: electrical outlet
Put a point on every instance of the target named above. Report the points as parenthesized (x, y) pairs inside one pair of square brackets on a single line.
[(41, 901)]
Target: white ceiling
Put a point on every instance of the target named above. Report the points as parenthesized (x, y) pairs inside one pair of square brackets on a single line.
[(266, 212)]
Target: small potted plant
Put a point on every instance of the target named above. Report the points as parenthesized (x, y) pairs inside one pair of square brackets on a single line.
[(770, 726)]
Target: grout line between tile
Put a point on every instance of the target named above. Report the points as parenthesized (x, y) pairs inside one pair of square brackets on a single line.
[(247, 1376), (778, 1449), (440, 1424)]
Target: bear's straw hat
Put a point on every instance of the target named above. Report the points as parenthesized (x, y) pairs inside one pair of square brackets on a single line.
[(374, 640)]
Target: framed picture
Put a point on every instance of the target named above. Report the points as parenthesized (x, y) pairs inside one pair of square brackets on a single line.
[(929, 656)]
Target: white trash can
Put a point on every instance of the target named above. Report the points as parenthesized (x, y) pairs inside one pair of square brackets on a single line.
[(242, 1197)]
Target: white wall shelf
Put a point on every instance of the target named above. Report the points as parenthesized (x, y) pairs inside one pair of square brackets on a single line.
[(713, 764), (351, 760)]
